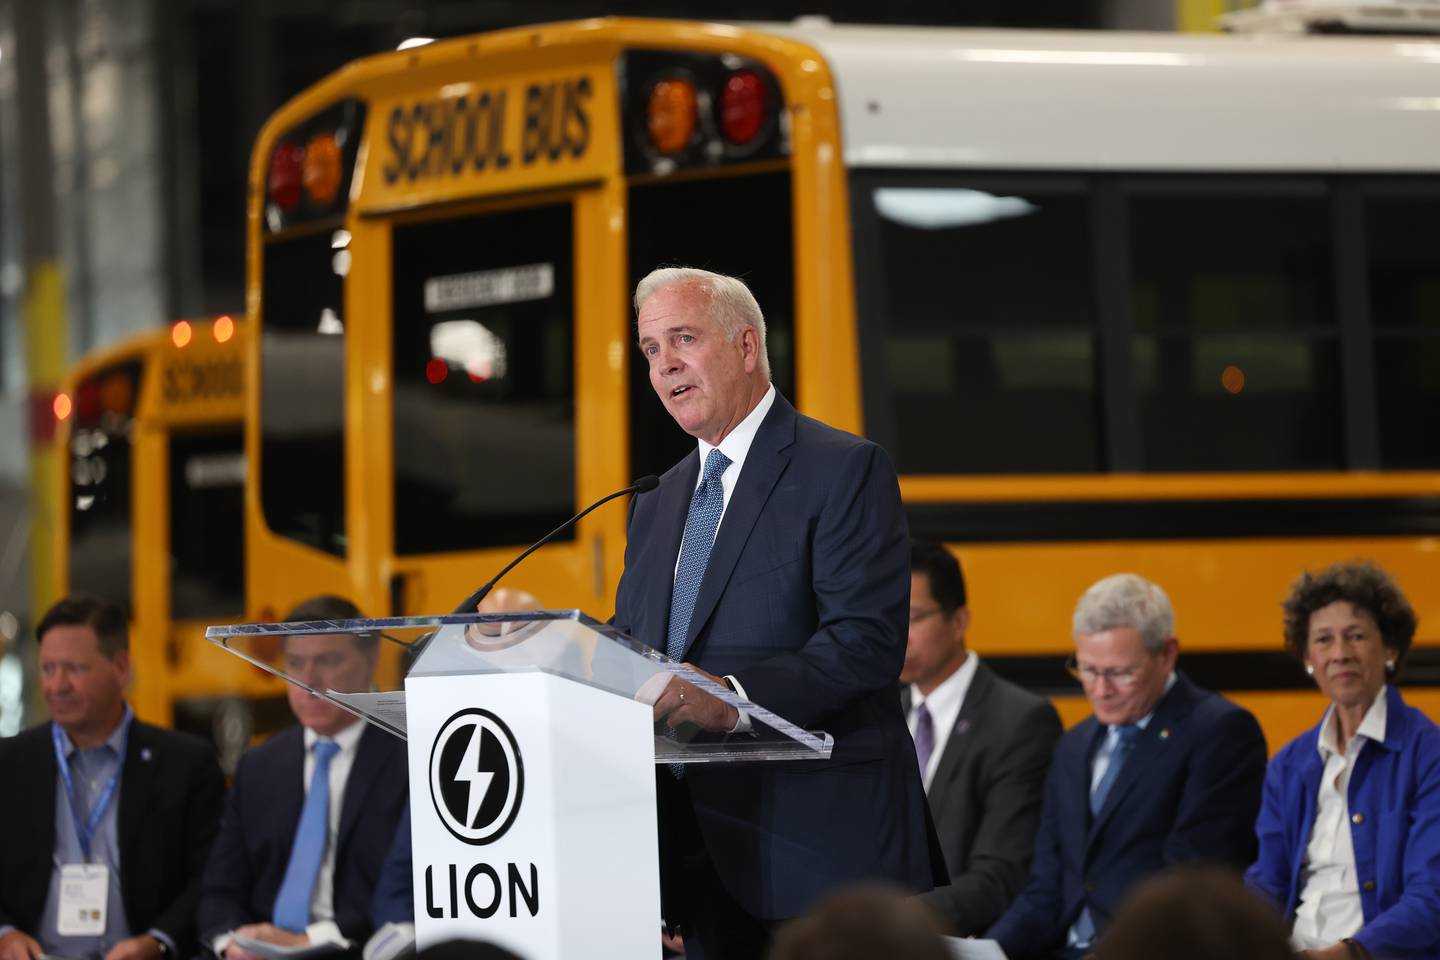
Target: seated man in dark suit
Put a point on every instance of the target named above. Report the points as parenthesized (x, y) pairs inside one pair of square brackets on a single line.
[(311, 813), (122, 811), (983, 744), (1163, 773)]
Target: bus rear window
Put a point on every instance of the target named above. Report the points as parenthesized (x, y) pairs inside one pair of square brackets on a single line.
[(100, 483), (207, 524), (302, 396), (484, 379)]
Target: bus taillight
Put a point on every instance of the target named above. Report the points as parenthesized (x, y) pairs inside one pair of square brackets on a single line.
[(743, 106), (321, 169), (670, 115), (285, 175)]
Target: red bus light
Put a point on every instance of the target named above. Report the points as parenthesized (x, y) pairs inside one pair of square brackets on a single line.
[(285, 175), (743, 107)]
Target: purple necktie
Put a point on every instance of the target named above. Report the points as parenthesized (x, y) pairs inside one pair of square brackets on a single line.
[(924, 738)]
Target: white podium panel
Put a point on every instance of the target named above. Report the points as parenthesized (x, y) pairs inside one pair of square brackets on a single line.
[(532, 804)]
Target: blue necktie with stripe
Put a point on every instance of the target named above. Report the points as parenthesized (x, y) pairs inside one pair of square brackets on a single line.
[(1084, 929), (292, 903), (700, 523)]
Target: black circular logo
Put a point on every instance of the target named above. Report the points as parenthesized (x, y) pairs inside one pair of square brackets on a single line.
[(476, 778)]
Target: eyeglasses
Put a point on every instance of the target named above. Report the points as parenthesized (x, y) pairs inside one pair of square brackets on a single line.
[(1089, 676), (917, 616)]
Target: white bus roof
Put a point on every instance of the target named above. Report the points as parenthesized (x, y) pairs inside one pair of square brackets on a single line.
[(940, 98)]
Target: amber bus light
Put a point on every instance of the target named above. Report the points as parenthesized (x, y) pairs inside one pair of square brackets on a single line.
[(321, 169), (670, 115)]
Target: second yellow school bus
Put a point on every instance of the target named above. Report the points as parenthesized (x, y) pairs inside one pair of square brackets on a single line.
[(1111, 301)]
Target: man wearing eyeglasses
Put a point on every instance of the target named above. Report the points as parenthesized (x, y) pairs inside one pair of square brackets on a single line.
[(983, 745), (1163, 773)]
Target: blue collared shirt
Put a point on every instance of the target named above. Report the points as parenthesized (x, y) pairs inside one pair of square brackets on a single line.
[(90, 771)]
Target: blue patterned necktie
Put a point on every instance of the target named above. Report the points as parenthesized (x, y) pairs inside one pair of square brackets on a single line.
[(1084, 929), (292, 903), (700, 523)]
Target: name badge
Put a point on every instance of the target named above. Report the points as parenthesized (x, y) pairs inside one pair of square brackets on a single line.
[(84, 891)]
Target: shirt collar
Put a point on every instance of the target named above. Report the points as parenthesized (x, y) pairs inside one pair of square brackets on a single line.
[(950, 694), (116, 740), (1372, 726), (346, 739), (737, 442)]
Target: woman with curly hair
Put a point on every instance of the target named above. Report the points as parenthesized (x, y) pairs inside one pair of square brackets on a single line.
[(1349, 827)]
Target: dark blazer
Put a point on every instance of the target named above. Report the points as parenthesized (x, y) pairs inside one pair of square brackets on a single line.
[(986, 797), (248, 860), (171, 791), (1189, 792), (804, 601)]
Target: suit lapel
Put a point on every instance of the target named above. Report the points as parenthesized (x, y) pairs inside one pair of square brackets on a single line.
[(667, 532), (1076, 767), (957, 745), (289, 786), (764, 463), (369, 759), (137, 779), (1152, 743)]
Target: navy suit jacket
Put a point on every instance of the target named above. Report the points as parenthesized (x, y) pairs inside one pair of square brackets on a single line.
[(804, 602), (1189, 792), (170, 796), (248, 861)]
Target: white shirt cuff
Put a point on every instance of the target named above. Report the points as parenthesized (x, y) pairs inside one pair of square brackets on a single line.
[(742, 722), (326, 931)]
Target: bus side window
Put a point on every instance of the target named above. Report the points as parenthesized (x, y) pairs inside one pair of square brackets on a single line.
[(735, 225), (484, 379), (1236, 347), (1404, 291)]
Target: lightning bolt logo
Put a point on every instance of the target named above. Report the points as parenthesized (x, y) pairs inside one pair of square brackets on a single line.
[(469, 770)]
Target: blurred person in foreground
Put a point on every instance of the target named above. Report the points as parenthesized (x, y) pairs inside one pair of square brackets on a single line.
[(1162, 774), (983, 744), (1195, 913), (102, 813), (862, 923), (312, 812), (774, 558), (1350, 826)]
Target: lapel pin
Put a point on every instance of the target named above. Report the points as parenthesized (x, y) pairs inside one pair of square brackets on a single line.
[(145, 754), (963, 727), (1165, 734)]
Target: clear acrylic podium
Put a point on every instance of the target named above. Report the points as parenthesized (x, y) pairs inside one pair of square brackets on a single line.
[(531, 747)]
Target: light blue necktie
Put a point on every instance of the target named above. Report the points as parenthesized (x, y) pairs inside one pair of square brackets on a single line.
[(700, 523), (292, 903), (1084, 929), (705, 508)]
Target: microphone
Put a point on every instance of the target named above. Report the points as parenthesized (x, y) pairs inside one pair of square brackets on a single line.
[(643, 485)]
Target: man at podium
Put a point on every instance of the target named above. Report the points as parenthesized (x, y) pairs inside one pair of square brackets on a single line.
[(774, 558)]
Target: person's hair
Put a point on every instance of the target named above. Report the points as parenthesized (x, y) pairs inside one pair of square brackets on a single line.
[(1126, 600), (942, 568), (863, 923), (1358, 582), (1195, 913), (465, 950), (331, 607), (728, 301), (105, 617)]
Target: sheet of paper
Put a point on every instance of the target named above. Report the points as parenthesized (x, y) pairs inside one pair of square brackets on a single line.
[(389, 707), (274, 951), (970, 949)]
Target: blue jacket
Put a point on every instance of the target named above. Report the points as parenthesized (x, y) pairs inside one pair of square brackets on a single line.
[(1395, 825)]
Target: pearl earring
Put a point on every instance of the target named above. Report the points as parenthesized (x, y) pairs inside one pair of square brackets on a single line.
[(1390, 666), (1309, 670)]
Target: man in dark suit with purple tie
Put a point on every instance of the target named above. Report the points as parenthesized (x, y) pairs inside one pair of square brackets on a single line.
[(774, 558)]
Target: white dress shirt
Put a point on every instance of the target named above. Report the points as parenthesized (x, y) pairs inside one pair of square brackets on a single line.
[(322, 928), (944, 704), (1329, 907)]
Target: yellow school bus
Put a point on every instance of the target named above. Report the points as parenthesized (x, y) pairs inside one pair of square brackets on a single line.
[(152, 511), (1158, 303)]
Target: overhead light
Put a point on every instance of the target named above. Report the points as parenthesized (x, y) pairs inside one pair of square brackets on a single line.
[(412, 42), (939, 208)]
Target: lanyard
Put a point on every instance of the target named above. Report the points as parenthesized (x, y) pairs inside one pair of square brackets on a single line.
[(85, 831)]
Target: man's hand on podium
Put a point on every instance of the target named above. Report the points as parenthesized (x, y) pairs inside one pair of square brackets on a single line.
[(683, 702)]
